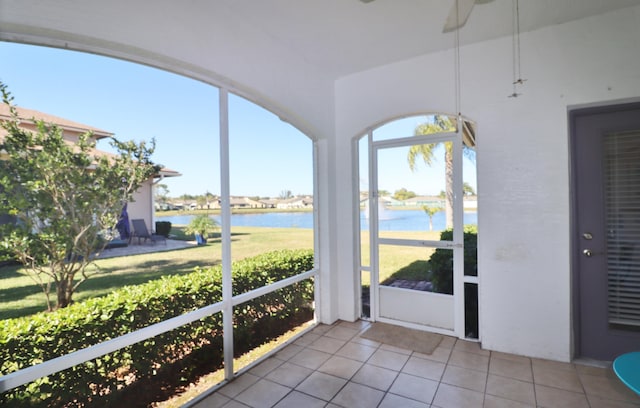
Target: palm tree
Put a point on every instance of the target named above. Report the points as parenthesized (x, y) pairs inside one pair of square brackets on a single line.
[(431, 211), (440, 124)]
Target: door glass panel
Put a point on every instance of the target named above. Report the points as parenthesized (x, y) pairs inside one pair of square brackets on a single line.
[(413, 182), (622, 212)]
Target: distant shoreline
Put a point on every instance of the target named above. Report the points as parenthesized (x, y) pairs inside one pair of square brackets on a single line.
[(171, 213)]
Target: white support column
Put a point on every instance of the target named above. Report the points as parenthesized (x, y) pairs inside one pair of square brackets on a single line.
[(227, 292), (458, 233)]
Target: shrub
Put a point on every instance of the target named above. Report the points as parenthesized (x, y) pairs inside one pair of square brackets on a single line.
[(442, 274), (30, 340), (442, 260)]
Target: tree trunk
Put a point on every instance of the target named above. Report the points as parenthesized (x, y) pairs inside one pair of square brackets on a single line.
[(64, 291), (448, 159)]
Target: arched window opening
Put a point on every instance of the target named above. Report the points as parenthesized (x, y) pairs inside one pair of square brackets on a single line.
[(416, 187), (160, 302)]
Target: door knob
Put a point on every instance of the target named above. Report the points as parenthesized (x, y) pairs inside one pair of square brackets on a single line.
[(587, 252)]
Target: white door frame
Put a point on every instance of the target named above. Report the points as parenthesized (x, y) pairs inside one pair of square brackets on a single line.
[(458, 327)]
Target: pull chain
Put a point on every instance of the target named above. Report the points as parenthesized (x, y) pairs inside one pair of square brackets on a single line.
[(517, 73)]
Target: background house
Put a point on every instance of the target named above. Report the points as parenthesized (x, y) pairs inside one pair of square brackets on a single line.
[(142, 205)]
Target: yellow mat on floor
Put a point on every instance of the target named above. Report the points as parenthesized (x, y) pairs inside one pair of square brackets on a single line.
[(416, 340)]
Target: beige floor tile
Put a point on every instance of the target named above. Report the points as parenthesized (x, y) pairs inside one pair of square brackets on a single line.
[(471, 347), (417, 388), (440, 354), (288, 352), (599, 402), (321, 385), (388, 359), (552, 365), (376, 377), (424, 368), (399, 350), (549, 397), (289, 374), (448, 342), (238, 385), (215, 400), (356, 351), (491, 401), (310, 358), (321, 329), (449, 396), (354, 372), (327, 344), (236, 404), (297, 399), (307, 339), (358, 324), (340, 367), (465, 378), (608, 387), (598, 371), (266, 366), (263, 394), (511, 389), (563, 379), (511, 357), (471, 361), (358, 396), (511, 369), (366, 342), (342, 333), (396, 401)]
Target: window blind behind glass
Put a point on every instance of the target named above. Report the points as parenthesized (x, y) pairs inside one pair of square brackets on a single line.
[(622, 216)]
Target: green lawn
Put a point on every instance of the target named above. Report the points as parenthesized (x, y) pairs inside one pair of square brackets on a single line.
[(20, 296)]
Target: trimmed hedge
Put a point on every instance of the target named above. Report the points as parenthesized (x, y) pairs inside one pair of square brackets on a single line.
[(30, 340), (441, 261)]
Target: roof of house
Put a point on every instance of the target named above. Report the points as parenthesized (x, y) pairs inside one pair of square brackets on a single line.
[(28, 115)]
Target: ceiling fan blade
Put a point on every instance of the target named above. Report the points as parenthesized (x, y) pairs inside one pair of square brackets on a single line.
[(458, 18)]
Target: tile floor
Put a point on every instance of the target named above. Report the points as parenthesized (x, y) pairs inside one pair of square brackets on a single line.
[(332, 366)]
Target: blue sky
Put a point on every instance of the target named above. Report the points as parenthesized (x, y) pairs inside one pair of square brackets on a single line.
[(138, 102)]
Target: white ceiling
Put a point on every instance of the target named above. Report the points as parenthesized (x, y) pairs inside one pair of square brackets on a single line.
[(284, 55), (346, 36), (337, 37)]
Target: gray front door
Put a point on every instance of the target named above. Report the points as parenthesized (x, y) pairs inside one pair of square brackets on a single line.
[(606, 229)]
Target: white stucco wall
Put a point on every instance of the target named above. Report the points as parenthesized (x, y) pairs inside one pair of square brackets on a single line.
[(522, 160), (142, 205)]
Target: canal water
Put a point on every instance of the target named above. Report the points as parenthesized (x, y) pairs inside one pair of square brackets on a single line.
[(390, 220)]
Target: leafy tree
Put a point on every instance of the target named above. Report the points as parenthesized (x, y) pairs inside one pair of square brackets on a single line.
[(467, 189), (161, 193), (426, 152), (431, 211), (64, 197), (403, 194), (201, 201)]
